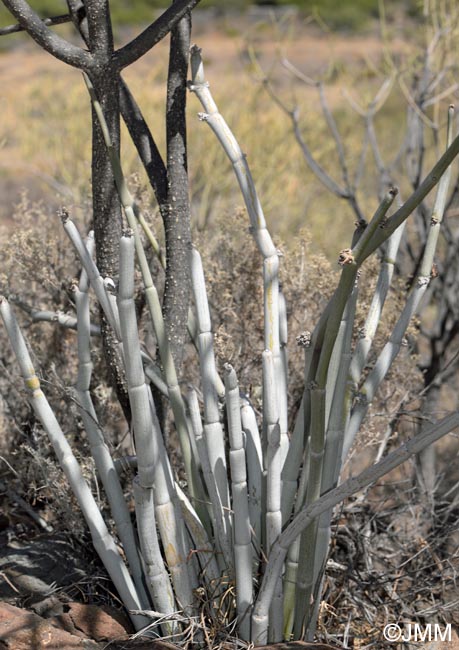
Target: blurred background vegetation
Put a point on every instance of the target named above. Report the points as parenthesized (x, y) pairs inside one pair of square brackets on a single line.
[(338, 14), (45, 128)]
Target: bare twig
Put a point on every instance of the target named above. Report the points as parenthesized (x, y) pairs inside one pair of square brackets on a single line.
[(41, 34), (54, 20), (154, 33)]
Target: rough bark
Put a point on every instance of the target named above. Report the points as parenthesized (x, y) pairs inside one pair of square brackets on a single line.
[(93, 20), (107, 214), (177, 216)]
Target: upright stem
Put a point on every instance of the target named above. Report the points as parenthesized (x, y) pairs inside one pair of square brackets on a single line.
[(107, 210), (177, 215)]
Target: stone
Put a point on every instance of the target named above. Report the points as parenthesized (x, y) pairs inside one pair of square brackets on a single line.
[(34, 570), (98, 623), (24, 630)]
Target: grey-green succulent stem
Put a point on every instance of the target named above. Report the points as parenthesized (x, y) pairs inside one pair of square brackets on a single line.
[(171, 524), (200, 542), (137, 388), (429, 182), (339, 412), (291, 571), (298, 442), (216, 508), (154, 374), (59, 318), (213, 429), (292, 463), (308, 538), (283, 378), (273, 465), (214, 119), (131, 211), (345, 286), (438, 210), (159, 252), (175, 396), (198, 534), (191, 323), (372, 320), (232, 149), (328, 501), (90, 267), (99, 449), (333, 447), (376, 222), (291, 567), (329, 462), (254, 467), (260, 233), (157, 577), (242, 548), (153, 467), (317, 387), (271, 307), (273, 480), (102, 540), (333, 369), (392, 347), (317, 375), (313, 463)]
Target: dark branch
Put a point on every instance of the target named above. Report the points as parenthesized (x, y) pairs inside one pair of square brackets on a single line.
[(78, 16), (41, 34), (145, 145), (154, 33), (55, 20), (133, 118)]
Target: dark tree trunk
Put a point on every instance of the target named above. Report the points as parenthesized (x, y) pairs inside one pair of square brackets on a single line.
[(107, 214), (106, 204), (177, 217)]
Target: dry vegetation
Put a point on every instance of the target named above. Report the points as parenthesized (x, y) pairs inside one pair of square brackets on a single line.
[(45, 148), (50, 153)]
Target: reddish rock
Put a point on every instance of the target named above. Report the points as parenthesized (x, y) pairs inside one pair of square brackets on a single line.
[(24, 630), (94, 622)]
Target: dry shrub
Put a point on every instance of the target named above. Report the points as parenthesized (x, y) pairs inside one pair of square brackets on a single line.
[(233, 269), (390, 561), (38, 264)]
